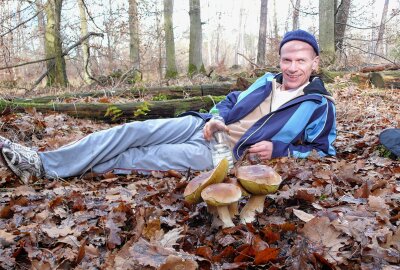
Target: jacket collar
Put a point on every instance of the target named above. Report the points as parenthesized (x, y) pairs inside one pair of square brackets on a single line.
[(316, 85)]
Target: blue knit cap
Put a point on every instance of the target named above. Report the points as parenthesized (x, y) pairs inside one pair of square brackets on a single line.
[(302, 36)]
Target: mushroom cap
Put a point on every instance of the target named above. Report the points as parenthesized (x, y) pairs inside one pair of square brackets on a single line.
[(259, 179), (194, 188), (235, 181), (221, 194)]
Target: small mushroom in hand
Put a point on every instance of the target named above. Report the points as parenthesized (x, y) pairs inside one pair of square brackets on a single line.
[(221, 196), (194, 188), (258, 180)]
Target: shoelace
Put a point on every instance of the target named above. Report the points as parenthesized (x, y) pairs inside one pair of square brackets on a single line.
[(29, 155)]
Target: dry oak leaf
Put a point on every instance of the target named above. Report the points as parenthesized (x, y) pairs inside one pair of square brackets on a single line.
[(320, 231), (148, 254), (6, 238), (306, 217)]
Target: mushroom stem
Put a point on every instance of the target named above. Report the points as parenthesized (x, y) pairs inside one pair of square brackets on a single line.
[(253, 205), (225, 216), (233, 209), (216, 222)]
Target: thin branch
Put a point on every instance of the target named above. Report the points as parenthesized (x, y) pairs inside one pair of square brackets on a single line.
[(371, 27), (21, 23), (298, 10), (79, 42), (372, 53), (251, 62)]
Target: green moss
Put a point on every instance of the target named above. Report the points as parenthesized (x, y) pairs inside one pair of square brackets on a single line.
[(160, 97), (202, 69), (192, 69), (384, 152), (170, 74)]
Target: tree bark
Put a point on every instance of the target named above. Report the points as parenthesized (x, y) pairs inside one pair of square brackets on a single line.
[(134, 43), (379, 42), (57, 74), (327, 31), (167, 92), (380, 68), (262, 33), (116, 112), (342, 14), (85, 44), (388, 79), (296, 24), (171, 70), (195, 46)]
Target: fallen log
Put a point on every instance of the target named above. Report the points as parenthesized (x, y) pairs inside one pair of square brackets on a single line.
[(377, 68), (389, 80), (116, 112), (162, 92)]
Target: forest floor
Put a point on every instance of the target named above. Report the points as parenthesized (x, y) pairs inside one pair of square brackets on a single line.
[(338, 212)]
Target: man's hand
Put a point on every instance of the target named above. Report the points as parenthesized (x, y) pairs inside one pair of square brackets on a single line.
[(212, 126), (262, 149)]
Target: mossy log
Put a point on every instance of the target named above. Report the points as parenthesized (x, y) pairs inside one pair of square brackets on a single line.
[(116, 112), (162, 92), (387, 79)]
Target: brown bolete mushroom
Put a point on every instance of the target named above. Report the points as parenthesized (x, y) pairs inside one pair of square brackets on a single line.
[(222, 195), (234, 208), (194, 188), (258, 180)]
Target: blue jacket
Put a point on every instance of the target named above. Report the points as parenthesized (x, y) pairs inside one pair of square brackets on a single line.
[(296, 128)]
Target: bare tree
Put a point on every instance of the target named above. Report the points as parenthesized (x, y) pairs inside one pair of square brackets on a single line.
[(379, 41), (56, 75), (341, 17), (134, 43), (85, 43), (195, 46), (262, 33), (296, 11), (327, 31), (171, 70)]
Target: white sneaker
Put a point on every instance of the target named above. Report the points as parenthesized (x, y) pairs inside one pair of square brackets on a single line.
[(21, 160)]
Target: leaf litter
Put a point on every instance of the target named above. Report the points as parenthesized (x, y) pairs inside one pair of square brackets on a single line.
[(338, 212)]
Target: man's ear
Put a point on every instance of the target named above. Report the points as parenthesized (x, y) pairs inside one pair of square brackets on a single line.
[(315, 63)]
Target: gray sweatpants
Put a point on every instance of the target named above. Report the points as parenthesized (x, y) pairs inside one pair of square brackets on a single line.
[(161, 144)]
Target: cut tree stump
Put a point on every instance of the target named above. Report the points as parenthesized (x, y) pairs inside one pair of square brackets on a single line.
[(117, 112)]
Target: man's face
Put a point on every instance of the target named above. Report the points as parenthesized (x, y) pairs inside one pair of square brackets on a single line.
[(297, 62)]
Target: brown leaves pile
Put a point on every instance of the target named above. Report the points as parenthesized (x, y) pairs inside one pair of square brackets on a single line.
[(330, 213)]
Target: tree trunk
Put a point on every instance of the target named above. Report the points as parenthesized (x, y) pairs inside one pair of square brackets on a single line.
[(296, 11), (262, 33), (117, 112), (238, 45), (171, 70), (162, 92), (57, 75), (85, 43), (195, 46), (41, 25), (379, 42), (327, 31), (134, 42), (342, 14)]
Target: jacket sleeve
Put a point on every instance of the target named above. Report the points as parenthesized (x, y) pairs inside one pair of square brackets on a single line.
[(226, 105), (319, 135)]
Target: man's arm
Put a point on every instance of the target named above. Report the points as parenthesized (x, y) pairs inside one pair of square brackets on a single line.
[(300, 137), (319, 135)]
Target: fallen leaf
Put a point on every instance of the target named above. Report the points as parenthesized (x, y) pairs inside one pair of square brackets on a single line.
[(6, 239), (303, 215), (320, 231), (266, 255)]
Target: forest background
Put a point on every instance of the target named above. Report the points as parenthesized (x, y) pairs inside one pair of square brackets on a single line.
[(128, 35)]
